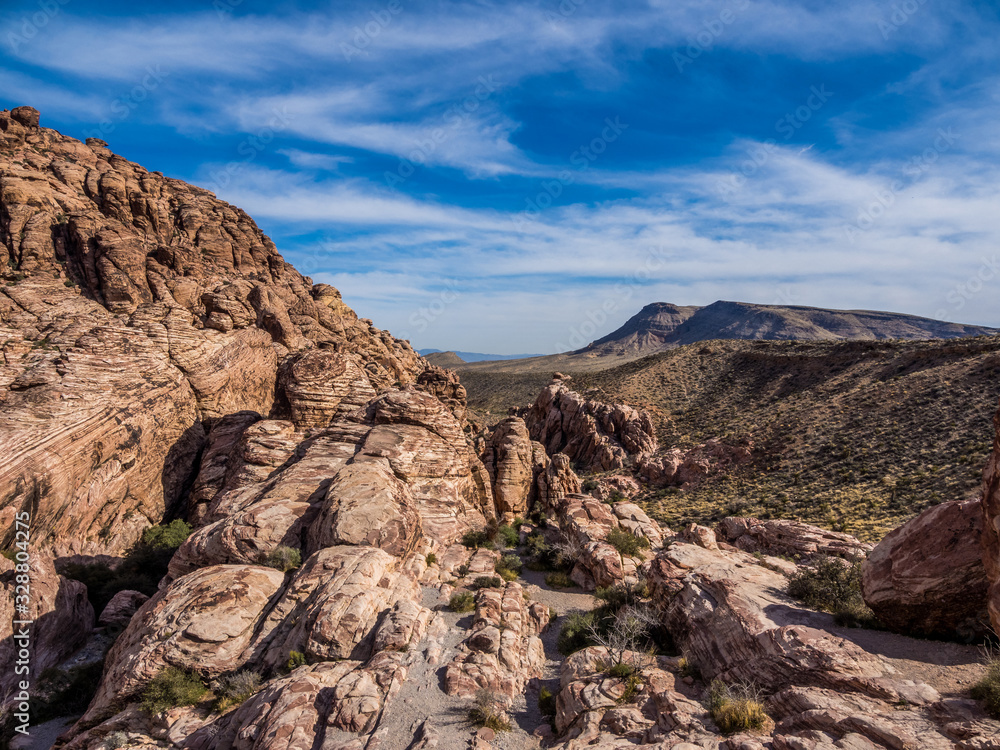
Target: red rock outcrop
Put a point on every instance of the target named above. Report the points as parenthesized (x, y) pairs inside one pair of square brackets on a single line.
[(990, 538), (927, 576), (594, 434), (789, 538), (136, 310)]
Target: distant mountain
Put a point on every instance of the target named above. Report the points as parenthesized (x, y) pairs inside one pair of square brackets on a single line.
[(662, 326), (468, 356)]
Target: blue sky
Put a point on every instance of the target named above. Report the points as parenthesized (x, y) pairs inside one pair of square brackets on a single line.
[(524, 176)]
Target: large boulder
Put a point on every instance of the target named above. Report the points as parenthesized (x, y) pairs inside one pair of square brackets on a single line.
[(927, 576), (509, 458)]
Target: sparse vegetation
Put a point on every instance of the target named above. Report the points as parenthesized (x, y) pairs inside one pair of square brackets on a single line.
[(987, 689), (626, 543), (546, 702), (559, 580), (737, 709), (171, 688), (489, 710), (283, 558), (509, 536), (233, 689), (476, 539), (141, 570), (431, 558), (508, 567), (575, 633), (462, 601), (296, 659), (486, 582), (834, 585)]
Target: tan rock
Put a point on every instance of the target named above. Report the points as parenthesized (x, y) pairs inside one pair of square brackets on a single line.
[(508, 458), (122, 607), (927, 576), (790, 538)]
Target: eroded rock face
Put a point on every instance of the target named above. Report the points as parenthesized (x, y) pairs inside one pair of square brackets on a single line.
[(991, 527), (61, 614), (789, 538), (927, 576), (596, 435), (136, 311), (687, 468), (509, 458)]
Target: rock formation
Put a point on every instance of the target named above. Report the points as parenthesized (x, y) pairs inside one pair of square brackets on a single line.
[(927, 576), (137, 310), (595, 435), (991, 527)]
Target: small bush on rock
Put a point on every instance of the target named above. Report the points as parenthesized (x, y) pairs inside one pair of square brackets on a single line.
[(232, 690), (171, 688), (575, 633), (283, 559), (296, 659), (546, 702), (508, 567), (834, 585), (487, 582), (626, 543), (489, 711), (738, 709), (463, 601)]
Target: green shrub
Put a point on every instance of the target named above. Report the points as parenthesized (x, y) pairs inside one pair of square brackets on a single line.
[(575, 633), (283, 558), (509, 535), (296, 659), (626, 543), (431, 558), (116, 740), (589, 485), (476, 539), (462, 601), (486, 582), (171, 688), (737, 710), (168, 537), (559, 580), (622, 670), (65, 691), (232, 690), (546, 702), (834, 586), (508, 567), (632, 684), (488, 711), (463, 570), (988, 688)]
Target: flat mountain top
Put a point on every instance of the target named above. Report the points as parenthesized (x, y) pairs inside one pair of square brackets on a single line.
[(662, 326)]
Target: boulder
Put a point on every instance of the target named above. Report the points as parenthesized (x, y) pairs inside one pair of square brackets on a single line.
[(927, 576)]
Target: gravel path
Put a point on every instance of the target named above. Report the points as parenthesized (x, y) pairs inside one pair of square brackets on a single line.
[(43, 736)]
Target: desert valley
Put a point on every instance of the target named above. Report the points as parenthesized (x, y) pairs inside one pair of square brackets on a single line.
[(238, 516)]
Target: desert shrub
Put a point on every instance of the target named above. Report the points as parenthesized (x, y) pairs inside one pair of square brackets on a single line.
[(489, 711), (616, 496), (462, 601), (171, 688), (283, 558), (476, 539), (559, 580), (589, 485), (232, 690), (116, 740), (687, 668), (738, 709), (575, 633), (509, 535), (508, 567), (168, 537), (626, 543), (622, 670), (141, 569), (988, 688), (834, 585), (431, 558), (296, 659), (632, 684), (60, 692), (486, 582), (546, 702)]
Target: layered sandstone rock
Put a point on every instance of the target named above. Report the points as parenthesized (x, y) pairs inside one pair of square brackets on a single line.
[(136, 310), (927, 576), (687, 468), (789, 538), (594, 434), (509, 458)]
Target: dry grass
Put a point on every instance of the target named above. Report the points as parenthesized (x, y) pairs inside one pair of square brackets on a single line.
[(855, 436)]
